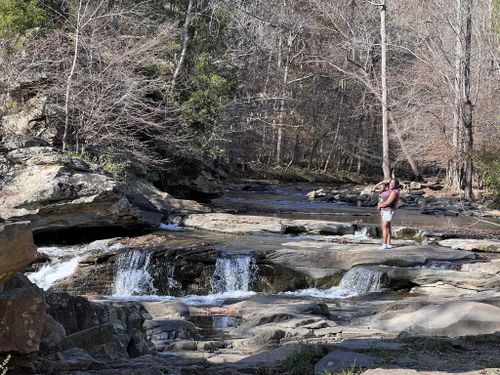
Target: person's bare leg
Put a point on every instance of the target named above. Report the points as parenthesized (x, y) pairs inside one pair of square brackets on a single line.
[(384, 231), (388, 230)]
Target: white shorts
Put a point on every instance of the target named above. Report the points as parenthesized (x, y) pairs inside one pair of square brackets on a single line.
[(387, 215)]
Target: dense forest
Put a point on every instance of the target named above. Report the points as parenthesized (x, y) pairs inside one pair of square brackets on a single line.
[(365, 88)]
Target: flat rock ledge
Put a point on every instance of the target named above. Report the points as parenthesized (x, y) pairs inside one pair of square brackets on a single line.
[(241, 224)]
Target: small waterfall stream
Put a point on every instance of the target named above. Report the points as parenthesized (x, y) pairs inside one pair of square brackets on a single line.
[(132, 275), (361, 281), (356, 281), (48, 274), (233, 274)]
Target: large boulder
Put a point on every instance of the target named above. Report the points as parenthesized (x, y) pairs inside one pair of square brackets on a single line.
[(114, 330), (491, 246), (22, 315), (193, 179), (242, 224), (16, 249), (332, 256), (453, 319), (56, 191)]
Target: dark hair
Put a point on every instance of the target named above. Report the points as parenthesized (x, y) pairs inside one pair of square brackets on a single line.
[(395, 181)]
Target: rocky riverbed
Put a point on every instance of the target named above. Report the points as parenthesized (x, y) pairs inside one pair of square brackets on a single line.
[(268, 282)]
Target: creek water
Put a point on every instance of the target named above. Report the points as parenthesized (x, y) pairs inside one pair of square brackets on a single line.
[(236, 268), (290, 201)]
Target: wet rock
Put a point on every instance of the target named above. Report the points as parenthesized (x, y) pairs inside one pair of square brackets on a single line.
[(22, 315), (52, 336), (16, 249), (491, 246), (185, 345), (89, 338), (165, 332), (340, 361), (210, 346), (83, 320), (166, 310), (74, 360), (320, 193)]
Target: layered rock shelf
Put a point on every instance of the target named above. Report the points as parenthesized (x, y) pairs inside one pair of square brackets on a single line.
[(235, 294)]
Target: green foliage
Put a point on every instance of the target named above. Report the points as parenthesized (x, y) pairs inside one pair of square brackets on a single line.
[(111, 164), (301, 360), (77, 155), (17, 16), (488, 166), (495, 17), (114, 166), (209, 92)]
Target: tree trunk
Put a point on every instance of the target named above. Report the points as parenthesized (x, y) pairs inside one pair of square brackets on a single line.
[(385, 130), (404, 149), (69, 80), (185, 43), (279, 145), (460, 167), (468, 142)]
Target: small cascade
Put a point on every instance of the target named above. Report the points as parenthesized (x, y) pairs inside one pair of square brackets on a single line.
[(361, 233), (234, 274), (172, 283), (132, 275), (361, 281), (48, 274)]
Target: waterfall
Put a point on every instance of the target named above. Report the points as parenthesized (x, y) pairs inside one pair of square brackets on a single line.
[(361, 233), (172, 283), (233, 274), (48, 274), (361, 281), (132, 275)]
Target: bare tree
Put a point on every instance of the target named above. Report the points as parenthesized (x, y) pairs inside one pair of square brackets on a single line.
[(185, 43)]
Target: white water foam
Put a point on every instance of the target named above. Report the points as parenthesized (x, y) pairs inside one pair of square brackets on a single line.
[(361, 281), (362, 233), (332, 293), (356, 281), (66, 251), (233, 274), (192, 300), (172, 227), (171, 281), (46, 276), (232, 279), (132, 275)]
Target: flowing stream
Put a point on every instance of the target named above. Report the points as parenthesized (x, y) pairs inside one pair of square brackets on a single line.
[(355, 282), (57, 270), (132, 274), (233, 274)]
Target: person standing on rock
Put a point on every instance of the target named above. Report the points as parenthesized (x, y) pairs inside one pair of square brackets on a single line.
[(387, 206)]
